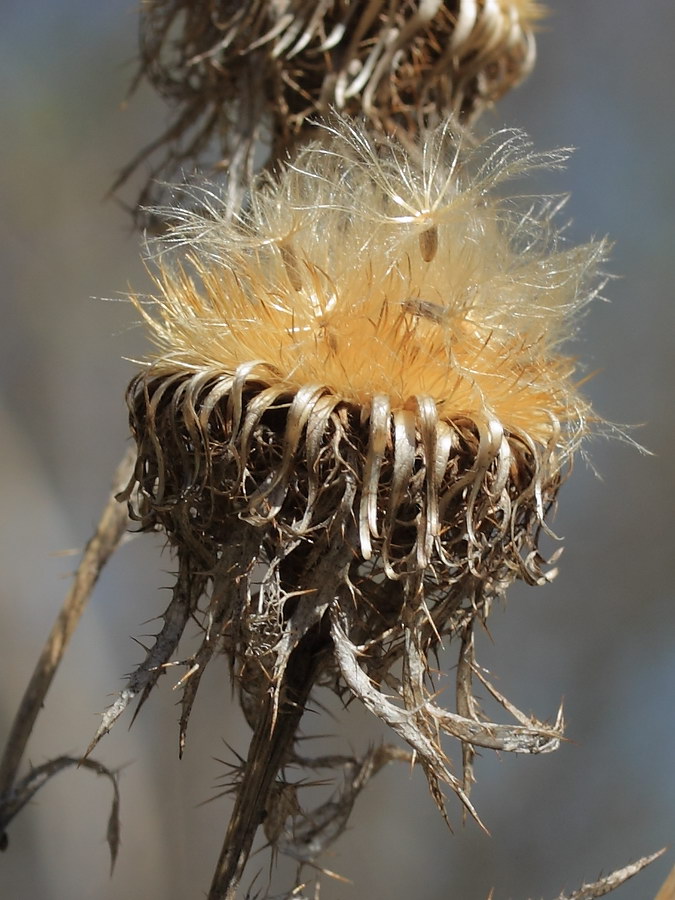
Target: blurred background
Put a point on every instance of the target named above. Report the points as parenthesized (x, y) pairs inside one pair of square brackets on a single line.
[(602, 636)]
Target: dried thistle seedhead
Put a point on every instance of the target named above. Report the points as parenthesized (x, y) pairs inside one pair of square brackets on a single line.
[(236, 70), (356, 420)]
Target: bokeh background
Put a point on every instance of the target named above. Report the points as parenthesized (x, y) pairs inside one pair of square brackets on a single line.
[(602, 636)]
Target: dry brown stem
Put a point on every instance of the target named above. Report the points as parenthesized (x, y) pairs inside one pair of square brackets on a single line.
[(270, 746), (109, 532), (667, 891), (612, 881)]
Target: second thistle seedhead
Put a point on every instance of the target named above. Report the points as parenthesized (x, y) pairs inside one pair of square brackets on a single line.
[(358, 415), (237, 70)]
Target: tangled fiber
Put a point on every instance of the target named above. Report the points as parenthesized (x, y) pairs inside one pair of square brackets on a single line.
[(357, 417)]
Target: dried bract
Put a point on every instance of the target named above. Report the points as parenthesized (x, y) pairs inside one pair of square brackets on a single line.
[(357, 418), (236, 70)]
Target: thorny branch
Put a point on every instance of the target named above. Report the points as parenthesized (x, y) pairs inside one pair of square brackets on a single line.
[(612, 881)]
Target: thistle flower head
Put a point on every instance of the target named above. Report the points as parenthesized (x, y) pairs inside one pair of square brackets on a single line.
[(358, 414)]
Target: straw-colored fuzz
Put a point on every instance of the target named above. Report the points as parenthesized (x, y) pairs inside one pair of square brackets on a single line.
[(369, 272)]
